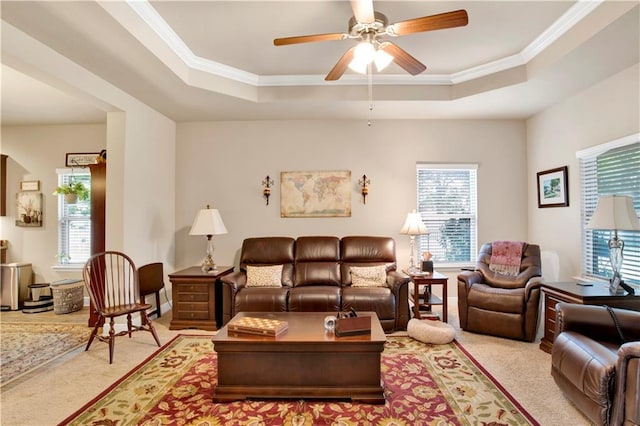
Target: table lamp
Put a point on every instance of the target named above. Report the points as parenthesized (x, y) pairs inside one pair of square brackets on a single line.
[(208, 222), (413, 226), (615, 213)]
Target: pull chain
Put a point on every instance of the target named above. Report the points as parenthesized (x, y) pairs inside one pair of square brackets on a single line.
[(370, 82)]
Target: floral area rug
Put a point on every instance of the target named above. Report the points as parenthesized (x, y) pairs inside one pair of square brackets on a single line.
[(424, 385), (27, 346)]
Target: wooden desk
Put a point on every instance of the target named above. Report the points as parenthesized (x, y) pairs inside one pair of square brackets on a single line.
[(427, 299), (195, 296), (570, 292)]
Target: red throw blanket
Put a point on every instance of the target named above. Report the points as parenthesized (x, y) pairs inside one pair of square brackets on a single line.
[(506, 257)]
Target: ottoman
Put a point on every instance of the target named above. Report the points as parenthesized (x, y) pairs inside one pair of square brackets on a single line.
[(429, 331)]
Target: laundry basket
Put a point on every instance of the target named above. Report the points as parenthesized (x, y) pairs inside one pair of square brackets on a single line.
[(68, 295)]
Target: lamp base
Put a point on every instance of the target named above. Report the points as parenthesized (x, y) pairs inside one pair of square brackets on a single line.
[(615, 286), (208, 265)]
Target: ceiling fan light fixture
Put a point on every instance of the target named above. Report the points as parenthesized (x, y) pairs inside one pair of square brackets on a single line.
[(362, 56), (382, 59)]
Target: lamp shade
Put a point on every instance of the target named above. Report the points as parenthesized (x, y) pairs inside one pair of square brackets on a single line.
[(414, 225), (208, 222), (615, 212)]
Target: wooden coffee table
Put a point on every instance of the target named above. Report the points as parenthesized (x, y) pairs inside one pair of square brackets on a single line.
[(304, 362)]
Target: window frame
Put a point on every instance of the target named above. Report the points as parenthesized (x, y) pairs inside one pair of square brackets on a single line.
[(65, 220), (433, 222), (591, 250)]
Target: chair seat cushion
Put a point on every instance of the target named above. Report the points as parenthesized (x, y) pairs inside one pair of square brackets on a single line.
[(429, 331), (509, 300)]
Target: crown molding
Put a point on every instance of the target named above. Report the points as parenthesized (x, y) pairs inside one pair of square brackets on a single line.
[(168, 36)]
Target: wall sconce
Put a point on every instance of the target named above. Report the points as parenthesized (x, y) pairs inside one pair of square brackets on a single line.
[(266, 191), (363, 182)]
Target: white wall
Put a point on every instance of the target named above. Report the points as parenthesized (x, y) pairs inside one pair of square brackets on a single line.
[(140, 146), (223, 164), (604, 112), (35, 152)]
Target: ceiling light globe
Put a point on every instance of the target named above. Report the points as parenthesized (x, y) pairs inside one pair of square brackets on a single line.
[(382, 59), (365, 52)]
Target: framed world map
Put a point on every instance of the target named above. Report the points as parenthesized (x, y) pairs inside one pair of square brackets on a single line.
[(315, 194)]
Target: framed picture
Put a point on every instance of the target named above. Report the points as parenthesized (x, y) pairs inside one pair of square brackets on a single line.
[(30, 185), (80, 159), (553, 188), (315, 194), (29, 209)]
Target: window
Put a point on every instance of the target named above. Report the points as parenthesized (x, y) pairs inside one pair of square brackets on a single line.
[(447, 202), (610, 169), (74, 222)]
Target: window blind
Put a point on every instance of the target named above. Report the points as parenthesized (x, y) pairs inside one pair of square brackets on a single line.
[(74, 222), (612, 170), (447, 203)]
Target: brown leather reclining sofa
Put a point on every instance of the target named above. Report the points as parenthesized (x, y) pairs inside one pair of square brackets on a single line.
[(316, 278), (592, 364)]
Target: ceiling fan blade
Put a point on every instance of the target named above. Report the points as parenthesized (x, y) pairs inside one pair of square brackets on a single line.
[(363, 11), (308, 38), (403, 59), (341, 66), (458, 18)]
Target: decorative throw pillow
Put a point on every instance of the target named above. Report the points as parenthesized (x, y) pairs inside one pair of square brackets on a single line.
[(264, 276), (368, 276)]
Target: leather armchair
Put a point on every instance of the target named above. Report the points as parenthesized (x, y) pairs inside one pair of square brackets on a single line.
[(593, 367), (501, 305)]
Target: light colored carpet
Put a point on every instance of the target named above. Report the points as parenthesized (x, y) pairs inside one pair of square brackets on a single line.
[(49, 395)]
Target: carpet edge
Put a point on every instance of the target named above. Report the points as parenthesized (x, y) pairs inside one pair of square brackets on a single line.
[(497, 384), (141, 364)]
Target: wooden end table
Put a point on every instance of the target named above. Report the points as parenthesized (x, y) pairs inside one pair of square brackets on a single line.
[(301, 363), (570, 292), (196, 295), (427, 299)]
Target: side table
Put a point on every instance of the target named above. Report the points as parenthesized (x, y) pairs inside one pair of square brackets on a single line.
[(195, 296), (570, 292), (427, 299)]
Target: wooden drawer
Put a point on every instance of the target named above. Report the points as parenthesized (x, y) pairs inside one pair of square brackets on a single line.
[(192, 297), (193, 288), (550, 316), (192, 311)]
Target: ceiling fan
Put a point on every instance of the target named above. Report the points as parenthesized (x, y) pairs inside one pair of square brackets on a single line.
[(371, 28)]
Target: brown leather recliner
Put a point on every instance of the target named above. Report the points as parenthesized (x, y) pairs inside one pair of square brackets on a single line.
[(501, 305), (593, 367)]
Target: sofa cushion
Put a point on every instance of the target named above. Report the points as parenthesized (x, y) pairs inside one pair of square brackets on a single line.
[(368, 276), (264, 276), (265, 251), (262, 299), (317, 298), (317, 261), (380, 300), (366, 251)]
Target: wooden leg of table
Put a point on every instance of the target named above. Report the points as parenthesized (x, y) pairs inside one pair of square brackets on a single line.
[(416, 300), (444, 303)]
